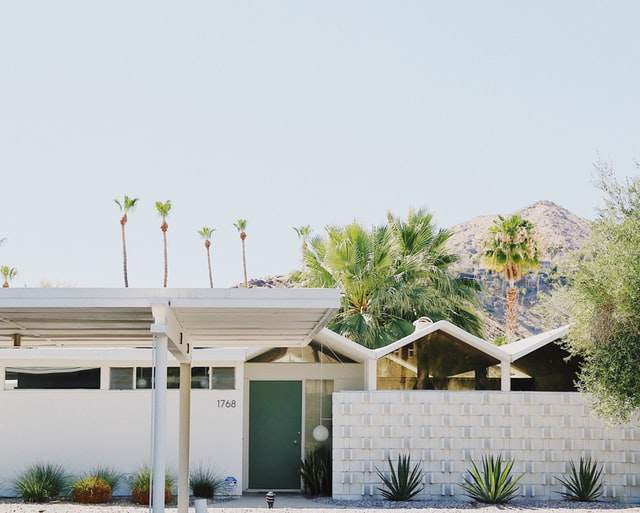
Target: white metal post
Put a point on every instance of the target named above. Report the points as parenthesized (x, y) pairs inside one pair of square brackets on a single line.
[(159, 423)]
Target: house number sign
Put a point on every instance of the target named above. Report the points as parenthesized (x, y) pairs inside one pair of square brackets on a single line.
[(226, 403)]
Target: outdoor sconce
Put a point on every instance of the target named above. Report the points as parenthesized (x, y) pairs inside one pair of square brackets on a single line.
[(271, 498)]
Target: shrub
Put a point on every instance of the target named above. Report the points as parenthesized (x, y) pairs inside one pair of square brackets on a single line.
[(91, 490), (584, 483), (41, 482), (315, 470), (109, 474), (405, 482), (204, 482), (141, 486), (494, 484)]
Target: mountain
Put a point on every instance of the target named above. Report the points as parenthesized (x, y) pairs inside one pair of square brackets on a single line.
[(559, 232)]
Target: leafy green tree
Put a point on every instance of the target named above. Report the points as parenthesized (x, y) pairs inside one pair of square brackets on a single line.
[(206, 234), (605, 292), (389, 276), (512, 249), (126, 206), (163, 210), (241, 226)]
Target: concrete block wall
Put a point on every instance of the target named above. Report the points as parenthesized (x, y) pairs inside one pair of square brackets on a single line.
[(446, 430)]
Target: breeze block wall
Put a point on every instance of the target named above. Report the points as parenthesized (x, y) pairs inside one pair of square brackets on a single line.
[(445, 431)]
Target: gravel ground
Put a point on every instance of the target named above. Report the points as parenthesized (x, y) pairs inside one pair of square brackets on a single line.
[(15, 506)]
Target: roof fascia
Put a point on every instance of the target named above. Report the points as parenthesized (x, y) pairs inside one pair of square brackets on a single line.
[(450, 329), (528, 345)]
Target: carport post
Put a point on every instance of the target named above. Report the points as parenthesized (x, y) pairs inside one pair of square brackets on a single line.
[(159, 422), (184, 435)]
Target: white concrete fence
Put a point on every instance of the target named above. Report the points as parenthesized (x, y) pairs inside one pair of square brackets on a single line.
[(445, 431)]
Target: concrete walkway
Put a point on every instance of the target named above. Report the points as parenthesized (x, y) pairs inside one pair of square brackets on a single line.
[(258, 500)]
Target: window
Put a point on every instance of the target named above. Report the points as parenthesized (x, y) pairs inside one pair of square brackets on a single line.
[(121, 378), (223, 378), (200, 377), (51, 378)]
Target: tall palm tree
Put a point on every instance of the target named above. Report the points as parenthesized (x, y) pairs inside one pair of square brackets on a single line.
[(241, 226), (512, 249), (206, 234), (389, 276), (8, 273), (126, 206), (163, 210)]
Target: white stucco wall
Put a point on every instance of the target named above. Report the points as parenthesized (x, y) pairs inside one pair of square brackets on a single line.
[(446, 431), (81, 429)]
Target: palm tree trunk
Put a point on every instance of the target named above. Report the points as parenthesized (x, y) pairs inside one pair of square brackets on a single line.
[(166, 264), (124, 257), (209, 264), (511, 313), (244, 266)]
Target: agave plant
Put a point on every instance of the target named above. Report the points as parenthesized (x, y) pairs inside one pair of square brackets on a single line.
[(494, 484), (405, 482), (583, 483)]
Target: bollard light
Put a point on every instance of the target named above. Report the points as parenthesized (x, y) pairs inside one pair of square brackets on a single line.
[(271, 498)]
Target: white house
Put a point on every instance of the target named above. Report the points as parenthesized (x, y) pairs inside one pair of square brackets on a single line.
[(245, 377)]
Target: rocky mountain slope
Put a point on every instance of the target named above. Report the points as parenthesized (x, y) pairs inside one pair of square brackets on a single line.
[(559, 232)]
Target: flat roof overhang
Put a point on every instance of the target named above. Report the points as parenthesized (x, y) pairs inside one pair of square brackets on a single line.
[(199, 317)]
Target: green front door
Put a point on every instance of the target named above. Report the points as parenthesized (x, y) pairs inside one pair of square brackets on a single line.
[(275, 424)]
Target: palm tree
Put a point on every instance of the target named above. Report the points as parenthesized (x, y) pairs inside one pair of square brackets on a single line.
[(241, 226), (444, 294), (304, 232), (512, 249), (127, 205), (389, 276), (206, 233), (163, 210), (8, 273)]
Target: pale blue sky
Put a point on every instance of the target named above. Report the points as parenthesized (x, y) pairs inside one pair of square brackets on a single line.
[(294, 112)]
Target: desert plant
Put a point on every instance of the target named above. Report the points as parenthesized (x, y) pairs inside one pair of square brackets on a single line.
[(109, 474), (405, 482), (91, 490), (494, 484), (583, 483), (41, 482), (205, 482), (315, 470), (141, 485)]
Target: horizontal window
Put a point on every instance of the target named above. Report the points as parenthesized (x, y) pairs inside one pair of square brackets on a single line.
[(51, 378), (123, 378)]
